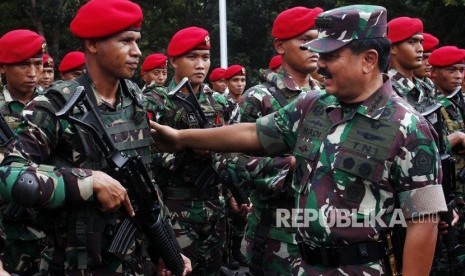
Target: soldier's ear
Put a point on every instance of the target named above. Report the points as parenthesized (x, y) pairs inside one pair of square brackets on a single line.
[(278, 46), (370, 61), (91, 45), (2, 69), (173, 62)]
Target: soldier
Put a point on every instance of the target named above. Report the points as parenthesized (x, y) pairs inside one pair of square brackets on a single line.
[(192, 192), (235, 80), (275, 63), (72, 65), (48, 73), (272, 250), (217, 81), (54, 164), (447, 74), (359, 148), (406, 55), (154, 70), (21, 63), (430, 43)]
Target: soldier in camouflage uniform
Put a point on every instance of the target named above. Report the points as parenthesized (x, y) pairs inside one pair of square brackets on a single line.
[(447, 75), (56, 166), (272, 250), (430, 43), (191, 190), (72, 65), (48, 73), (359, 148), (406, 56), (21, 63), (218, 83), (154, 70)]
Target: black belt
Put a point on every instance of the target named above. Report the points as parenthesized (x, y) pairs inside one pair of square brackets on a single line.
[(360, 253)]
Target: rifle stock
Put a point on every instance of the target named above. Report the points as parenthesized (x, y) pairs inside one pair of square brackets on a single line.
[(132, 174)]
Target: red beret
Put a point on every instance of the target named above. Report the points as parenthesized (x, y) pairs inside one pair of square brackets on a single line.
[(430, 42), (217, 74), (275, 62), (19, 45), (234, 70), (402, 28), (153, 61), (295, 21), (446, 56), (74, 60), (102, 18), (48, 61), (188, 39)]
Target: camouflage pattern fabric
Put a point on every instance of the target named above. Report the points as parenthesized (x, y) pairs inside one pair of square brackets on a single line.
[(365, 21), (265, 177), (347, 161), (443, 262), (420, 96), (196, 214), (25, 240), (66, 203)]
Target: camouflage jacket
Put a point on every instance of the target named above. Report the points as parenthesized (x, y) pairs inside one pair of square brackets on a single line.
[(454, 121), (417, 92), (266, 177), (356, 161), (62, 159)]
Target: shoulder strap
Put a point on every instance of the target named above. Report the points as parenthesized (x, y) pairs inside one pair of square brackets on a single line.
[(276, 94)]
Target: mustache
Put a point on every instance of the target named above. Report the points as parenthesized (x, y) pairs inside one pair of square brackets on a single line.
[(324, 72)]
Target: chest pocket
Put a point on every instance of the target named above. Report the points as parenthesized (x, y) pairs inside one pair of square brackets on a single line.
[(310, 138), (364, 154)]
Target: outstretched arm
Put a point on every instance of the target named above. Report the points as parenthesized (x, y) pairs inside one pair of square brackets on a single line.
[(234, 138)]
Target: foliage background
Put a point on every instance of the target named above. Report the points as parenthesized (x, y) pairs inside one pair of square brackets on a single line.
[(249, 23)]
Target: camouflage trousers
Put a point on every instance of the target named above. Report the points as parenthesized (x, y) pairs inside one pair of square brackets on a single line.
[(200, 228), (370, 269), (23, 246), (22, 257), (277, 257)]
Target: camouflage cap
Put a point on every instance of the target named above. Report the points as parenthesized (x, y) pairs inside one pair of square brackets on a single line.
[(340, 26)]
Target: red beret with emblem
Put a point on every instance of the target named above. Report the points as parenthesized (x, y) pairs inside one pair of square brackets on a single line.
[(430, 42), (74, 60), (153, 61), (19, 45), (217, 74), (402, 28), (275, 62), (294, 21), (187, 39), (234, 70), (48, 61), (446, 56), (102, 18)]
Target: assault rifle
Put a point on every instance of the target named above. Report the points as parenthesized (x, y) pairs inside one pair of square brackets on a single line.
[(6, 133), (132, 174), (450, 239), (12, 211), (196, 114)]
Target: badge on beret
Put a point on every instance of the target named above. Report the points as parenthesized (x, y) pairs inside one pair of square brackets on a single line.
[(243, 71), (44, 47), (207, 40)]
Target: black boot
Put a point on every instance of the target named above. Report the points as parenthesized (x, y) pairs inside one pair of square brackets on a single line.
[(236, 251)]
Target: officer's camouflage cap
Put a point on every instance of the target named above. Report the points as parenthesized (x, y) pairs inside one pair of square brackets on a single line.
[(338, 27)]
